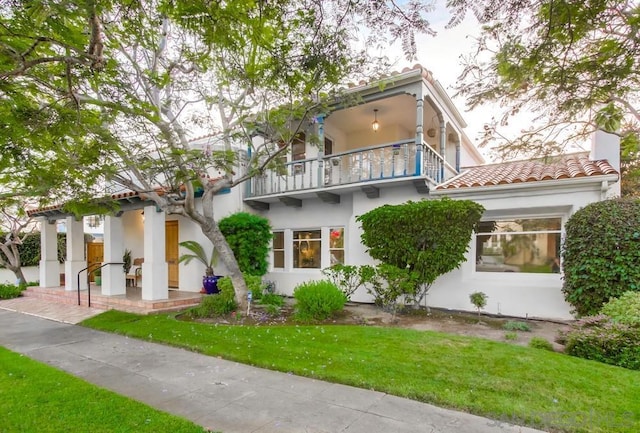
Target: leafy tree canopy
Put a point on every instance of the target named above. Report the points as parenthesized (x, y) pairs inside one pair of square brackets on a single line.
[(572, 64), (154, 73)]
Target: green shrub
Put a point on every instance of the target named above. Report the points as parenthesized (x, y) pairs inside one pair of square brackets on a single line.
[(253, 282), (318, 300), (254, 285), (540, 343), (249, 236), (401, 236), (346, 277), (272, 310), (625, 309), (511, 336), (390, 283), (272, 299), (516, 326), (479, 300), (601, 253), (218, 304), (601, 339), (10, 291)]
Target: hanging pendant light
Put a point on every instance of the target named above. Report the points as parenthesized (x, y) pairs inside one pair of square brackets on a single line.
[(375, 125)]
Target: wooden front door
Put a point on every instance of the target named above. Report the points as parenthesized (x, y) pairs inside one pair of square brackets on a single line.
[(95, 255), (171, 251)]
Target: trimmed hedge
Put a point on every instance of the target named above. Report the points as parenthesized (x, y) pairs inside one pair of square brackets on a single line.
[(601, 253), (249, 236), (30, 249)]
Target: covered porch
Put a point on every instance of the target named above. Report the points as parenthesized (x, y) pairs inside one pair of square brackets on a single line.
[(131, 301), (136, 218), (405, 132)]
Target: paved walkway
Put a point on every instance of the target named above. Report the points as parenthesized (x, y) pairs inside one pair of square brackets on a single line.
[(223, 395), (59, 312)]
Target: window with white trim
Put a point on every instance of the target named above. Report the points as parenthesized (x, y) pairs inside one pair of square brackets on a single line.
[(314, 248), (529, 245), (336, 245), (278, 250), (307, 247)]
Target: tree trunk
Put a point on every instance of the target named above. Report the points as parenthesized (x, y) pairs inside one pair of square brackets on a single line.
[(17, 271), (218, 240)]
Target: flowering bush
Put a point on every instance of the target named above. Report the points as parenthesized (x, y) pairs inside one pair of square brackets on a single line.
[(601, 339)]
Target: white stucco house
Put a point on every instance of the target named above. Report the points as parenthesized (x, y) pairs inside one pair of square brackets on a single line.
[(403, 141)]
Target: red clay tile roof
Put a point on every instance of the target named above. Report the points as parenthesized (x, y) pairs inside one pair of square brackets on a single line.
[(535, 170)]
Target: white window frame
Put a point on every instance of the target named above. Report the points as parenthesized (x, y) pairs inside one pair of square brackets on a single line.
[(474, 255), (325, 248)]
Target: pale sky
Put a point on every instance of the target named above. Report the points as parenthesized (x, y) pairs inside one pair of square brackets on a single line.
[(441, 55)]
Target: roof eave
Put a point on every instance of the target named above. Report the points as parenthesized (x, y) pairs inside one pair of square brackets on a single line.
[(597, 179)]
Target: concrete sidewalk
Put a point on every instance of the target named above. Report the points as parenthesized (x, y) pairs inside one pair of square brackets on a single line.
[(223, 395)]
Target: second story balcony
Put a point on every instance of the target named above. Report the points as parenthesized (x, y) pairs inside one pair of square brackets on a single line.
[(366, 168), (406, 131)]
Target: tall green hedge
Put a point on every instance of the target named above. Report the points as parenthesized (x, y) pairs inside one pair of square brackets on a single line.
[(249, 236), (601, 254), (30, 249)]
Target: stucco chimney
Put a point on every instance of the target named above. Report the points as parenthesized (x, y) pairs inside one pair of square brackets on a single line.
[(605, 146)]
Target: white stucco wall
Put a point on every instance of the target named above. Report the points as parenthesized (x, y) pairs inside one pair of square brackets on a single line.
[(31, 273), (511, 294)]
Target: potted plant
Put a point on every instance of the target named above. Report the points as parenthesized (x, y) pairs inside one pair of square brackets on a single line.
[(126, 260), (97, 277), (209, 280)]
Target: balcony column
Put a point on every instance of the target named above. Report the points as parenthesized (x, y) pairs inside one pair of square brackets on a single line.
[(419, 133), (155, 271), (113, 277), (458, 156), (320, 131), (75, 255), (443, 144), (49, 265)]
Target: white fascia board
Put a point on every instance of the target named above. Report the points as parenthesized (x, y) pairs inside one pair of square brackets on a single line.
[(451, 109), (527, 187)]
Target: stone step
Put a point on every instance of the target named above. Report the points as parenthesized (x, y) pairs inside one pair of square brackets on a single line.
[(60, 296)]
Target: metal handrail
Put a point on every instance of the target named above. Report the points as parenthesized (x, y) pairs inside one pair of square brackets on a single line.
[(88, 282)]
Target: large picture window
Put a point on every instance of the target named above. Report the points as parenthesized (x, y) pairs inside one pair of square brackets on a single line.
[(307, 249), (519, 245)]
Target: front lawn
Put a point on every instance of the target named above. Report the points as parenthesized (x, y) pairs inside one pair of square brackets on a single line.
[(542, 389), (37, 398)]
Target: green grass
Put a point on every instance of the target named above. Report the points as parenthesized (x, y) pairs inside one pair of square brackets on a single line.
[(38, 398), (501, 381)]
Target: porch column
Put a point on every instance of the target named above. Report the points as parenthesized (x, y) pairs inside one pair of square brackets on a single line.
[(419, 133), (75, 255), (321, 153), (443, 144), (155, 271), (49, 265), (113, 277), (458, 155)]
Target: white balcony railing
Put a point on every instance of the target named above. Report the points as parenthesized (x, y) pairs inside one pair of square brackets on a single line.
[(389, 161)]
